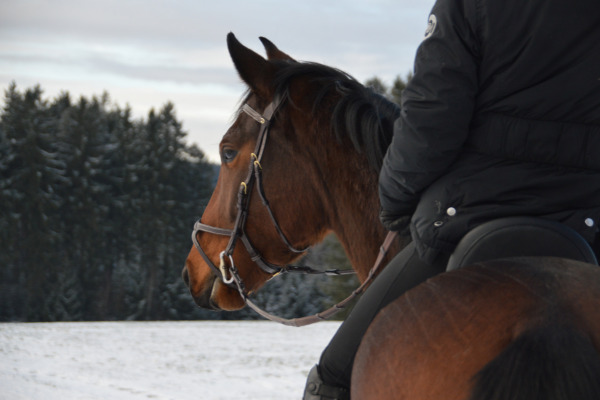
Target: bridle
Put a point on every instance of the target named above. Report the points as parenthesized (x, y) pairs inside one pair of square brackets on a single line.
[(238, 232)]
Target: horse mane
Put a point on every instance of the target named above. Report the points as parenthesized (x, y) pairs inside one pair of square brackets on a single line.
[(358, 113)]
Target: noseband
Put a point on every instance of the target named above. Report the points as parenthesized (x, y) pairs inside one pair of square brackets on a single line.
[(239, 232)]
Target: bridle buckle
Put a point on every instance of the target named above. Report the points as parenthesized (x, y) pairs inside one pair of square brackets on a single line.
[(223, 268)]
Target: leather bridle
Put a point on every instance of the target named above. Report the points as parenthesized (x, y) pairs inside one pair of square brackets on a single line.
[(238, 232)]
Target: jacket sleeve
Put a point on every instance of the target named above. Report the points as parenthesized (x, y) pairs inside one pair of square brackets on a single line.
[(437, 106)]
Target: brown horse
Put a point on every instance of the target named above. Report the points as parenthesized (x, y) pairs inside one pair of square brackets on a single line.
[(301, 160)]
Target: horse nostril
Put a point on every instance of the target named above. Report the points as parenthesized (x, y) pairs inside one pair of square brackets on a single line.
[(185, 276)]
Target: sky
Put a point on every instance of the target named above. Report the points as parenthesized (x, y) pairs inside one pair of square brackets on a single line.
[(145, 53)]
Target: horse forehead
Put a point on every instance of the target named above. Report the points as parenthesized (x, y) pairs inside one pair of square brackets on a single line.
[(245, 128), (242, 130)]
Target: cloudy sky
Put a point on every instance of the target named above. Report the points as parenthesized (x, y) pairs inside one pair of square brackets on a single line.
[(147, 52)]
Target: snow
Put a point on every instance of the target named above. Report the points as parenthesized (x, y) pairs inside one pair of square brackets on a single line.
[(207, 360)]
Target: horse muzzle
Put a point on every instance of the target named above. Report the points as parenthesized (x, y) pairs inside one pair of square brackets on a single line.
[(214, 294), (202, 298)]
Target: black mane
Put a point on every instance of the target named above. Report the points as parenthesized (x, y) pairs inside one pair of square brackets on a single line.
[(358, 114)]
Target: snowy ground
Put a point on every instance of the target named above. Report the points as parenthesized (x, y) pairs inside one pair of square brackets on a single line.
[(201, 360)]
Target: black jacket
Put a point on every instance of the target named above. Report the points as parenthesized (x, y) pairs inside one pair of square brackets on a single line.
[(501, 118)]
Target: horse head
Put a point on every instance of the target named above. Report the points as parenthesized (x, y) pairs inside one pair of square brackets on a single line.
[(300, 160), (284, 168)]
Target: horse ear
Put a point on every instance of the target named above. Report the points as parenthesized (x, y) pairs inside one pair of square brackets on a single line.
[(253, 69), (273, 52)]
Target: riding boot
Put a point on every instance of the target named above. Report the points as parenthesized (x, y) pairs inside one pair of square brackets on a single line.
[(316, 389)]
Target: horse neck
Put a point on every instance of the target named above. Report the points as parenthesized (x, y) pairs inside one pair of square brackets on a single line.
[(355, 204)]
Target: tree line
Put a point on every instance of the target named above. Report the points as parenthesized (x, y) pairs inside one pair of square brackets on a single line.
[(96, 212), (95, 208)]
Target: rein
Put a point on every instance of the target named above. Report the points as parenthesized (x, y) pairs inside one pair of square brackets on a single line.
[(324, 315), (238, 232)]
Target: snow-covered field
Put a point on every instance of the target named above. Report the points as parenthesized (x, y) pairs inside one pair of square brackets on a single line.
[(201, 360)]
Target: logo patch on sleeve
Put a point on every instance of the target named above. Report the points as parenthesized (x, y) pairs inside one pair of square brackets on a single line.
[(431, 24)]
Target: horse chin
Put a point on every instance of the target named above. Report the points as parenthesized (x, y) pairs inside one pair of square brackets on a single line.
[(225, 298), (214, 295)]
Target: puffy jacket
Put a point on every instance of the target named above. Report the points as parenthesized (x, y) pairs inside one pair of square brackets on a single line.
[(501, 118)]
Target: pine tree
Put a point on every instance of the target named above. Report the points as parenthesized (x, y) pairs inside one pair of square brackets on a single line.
[(398, 86), (377, 85), (393, 93), (29, 174), (84, 144)]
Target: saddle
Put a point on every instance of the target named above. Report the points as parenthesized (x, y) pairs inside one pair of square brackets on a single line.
[(520, 237)]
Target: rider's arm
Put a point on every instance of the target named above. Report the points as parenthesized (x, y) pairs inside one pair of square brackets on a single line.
[(437, 107)]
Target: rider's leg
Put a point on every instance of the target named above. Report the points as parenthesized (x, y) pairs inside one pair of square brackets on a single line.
[(404, 272)]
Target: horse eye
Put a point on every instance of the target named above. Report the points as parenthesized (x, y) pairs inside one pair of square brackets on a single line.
[(227, 155)]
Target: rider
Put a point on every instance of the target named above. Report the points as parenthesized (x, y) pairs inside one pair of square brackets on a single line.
[(501, 118)]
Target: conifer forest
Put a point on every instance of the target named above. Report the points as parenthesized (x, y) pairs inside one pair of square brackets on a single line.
[(96, 213)]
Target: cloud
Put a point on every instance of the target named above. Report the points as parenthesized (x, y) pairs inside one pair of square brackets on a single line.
[(145, 53)]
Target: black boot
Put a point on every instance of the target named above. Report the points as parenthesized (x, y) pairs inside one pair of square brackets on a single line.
[(317, 390)]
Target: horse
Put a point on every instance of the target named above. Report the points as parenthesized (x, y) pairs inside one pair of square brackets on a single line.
[(300, 161)]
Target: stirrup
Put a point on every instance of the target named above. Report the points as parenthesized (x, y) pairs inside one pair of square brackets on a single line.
[(316, 389)]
